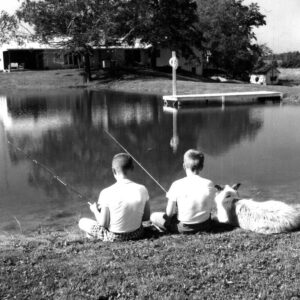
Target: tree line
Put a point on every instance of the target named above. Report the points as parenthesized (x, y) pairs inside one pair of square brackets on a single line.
[(221, 28), (286, 59)]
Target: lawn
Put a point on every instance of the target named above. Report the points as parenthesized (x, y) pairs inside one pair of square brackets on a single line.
[(290, 77), (139, 82), (224, 264)]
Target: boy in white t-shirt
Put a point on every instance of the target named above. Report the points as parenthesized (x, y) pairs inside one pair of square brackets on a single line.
[(123, 206), (190, 199)]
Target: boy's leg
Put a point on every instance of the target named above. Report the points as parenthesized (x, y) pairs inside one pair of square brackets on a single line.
[(159, 219), (164, 223), (194, 228), (87, 225)]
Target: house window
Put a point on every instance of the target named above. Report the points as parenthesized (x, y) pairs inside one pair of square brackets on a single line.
[(68, 59), (273, 78)]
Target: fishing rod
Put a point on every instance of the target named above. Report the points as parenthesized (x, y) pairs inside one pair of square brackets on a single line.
[(70, 187), (50, 171), (138, 163)]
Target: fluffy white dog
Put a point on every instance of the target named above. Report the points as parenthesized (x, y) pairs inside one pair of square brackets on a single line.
[(262, 217)]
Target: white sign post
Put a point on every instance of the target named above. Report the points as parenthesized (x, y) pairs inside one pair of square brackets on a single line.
[(174, 64)]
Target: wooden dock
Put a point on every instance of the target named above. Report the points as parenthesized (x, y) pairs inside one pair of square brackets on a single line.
[(222, 98)]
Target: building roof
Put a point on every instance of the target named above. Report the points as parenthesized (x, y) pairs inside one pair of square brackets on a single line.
[(57, 44), (265, 69)]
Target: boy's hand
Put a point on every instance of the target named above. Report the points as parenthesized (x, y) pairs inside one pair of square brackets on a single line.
[(93, 207)]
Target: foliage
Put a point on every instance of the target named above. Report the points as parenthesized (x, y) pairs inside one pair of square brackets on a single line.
[(8, 27), (287, 59), (83, 24), (76, 25), (171, 24), (263, 52), (227, 27)]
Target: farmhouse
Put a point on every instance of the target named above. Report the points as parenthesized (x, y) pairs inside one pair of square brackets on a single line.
[(265, 75), (37, 56), (193, 65)]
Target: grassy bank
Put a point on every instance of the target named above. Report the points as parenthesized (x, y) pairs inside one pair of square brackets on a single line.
[(142, 82), (223, 264), (216, 265)]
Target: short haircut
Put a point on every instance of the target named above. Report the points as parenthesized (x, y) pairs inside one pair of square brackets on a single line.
[(122, 162), (193, 160)]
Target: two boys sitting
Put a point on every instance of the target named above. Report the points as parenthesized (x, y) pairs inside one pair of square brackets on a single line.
[(125, 204)]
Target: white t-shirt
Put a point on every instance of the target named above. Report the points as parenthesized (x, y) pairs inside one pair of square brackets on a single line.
[(126, 202), (194, 196)]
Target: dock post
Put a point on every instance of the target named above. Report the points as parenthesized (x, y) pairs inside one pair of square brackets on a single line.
[(175, 138), (223, 102), (174, 64)]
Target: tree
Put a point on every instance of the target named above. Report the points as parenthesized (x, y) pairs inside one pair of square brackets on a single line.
[(77, 25), (81, 25), (263, 53), (166, 23), (8, 27), (227, 27)]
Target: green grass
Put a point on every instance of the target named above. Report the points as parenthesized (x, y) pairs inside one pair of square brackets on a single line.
[(41, 79), (217, 265), (291, 75), (147, 82)]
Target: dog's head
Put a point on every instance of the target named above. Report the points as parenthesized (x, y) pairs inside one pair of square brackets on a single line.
[(226, 194)]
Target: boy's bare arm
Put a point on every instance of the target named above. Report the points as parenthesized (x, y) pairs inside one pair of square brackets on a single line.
[(171, 208), (102, 217), (146, 215)]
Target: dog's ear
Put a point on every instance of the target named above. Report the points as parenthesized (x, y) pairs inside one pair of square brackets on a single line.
[(219, 188), (236, 186)]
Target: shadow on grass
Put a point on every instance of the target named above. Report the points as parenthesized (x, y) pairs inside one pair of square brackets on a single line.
[(218, 227), (150, 232)]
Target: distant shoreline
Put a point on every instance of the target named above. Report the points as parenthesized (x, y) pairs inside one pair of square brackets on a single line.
[(135, 83)]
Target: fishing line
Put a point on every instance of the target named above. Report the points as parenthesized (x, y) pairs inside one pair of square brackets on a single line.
[(51, 172), (70, 187), (118, 143)]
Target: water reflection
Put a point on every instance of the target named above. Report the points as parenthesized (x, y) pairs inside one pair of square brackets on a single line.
[(66, 132), (174, 142), (213, 130), (5, 122)]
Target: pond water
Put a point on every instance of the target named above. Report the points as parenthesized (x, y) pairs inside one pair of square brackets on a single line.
[(67, 132)]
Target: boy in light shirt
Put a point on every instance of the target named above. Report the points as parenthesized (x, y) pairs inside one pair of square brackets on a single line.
[(123, 206), (190, 199)]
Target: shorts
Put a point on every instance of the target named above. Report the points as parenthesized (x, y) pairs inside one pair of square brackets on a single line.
[(103, 234), (175, 226)]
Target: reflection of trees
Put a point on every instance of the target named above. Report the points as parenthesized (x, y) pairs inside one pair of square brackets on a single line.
[(75, 154), (211, 130), (81, 153), (216, 131), (34, 106), (40, 178)]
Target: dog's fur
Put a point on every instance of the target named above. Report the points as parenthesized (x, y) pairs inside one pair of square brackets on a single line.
[(262, 217)]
